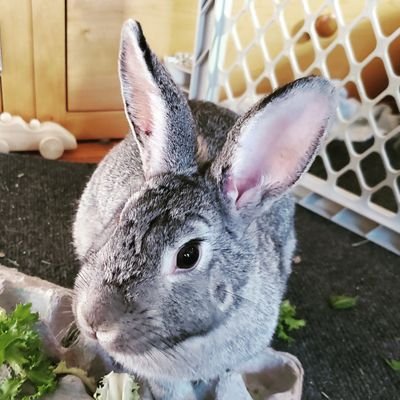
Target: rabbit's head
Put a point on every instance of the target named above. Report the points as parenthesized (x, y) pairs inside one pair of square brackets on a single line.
[(187, 284)]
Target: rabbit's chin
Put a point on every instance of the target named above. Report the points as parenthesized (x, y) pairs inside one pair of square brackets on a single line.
[(193, 359), (153, 365), (170, 366)]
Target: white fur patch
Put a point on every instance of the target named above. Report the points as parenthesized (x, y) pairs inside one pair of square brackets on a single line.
[(202, 150)]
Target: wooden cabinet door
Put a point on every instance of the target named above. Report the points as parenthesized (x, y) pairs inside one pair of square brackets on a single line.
[(76, 50), (17, 79)]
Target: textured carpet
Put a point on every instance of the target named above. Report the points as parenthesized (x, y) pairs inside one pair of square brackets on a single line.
[(343, 352)]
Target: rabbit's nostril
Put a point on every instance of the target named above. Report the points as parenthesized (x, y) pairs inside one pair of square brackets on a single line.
[(88, 329), (92, 334), (86, 321)]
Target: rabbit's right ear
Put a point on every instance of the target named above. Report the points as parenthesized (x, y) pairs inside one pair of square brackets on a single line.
[(157, 111), (272, 145)]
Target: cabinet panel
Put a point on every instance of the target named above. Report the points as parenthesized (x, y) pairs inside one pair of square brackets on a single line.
[(49, 34), (1, 97), (17, 79), (93, 34)]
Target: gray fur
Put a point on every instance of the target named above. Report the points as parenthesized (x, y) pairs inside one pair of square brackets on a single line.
[(203, 323)]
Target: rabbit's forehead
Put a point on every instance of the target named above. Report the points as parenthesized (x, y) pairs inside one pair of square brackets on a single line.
[(167, 227), (164, 215), (175, 199)]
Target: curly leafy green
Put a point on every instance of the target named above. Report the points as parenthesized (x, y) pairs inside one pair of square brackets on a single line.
[(287, 321), (26, 373)]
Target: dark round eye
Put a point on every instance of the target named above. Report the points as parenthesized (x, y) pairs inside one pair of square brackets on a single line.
[(188, 256)]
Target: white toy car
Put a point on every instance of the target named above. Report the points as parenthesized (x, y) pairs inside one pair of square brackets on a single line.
[(50, 138)]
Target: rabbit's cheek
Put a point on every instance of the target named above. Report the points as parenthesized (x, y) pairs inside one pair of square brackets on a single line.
[(221, 295)]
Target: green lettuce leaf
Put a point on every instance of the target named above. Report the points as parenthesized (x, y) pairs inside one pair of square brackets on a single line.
[(394, 364), (342, 302), (21, 355), (287, 321), (78, 372)]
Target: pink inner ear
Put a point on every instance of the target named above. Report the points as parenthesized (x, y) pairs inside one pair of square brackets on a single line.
[(277, 143), (142, 87), (144, 104)]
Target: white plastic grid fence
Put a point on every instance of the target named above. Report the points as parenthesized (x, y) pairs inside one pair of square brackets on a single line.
[(246, 48)]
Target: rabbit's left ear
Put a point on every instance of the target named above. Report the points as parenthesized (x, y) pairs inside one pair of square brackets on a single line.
[(157, 111), (271, 146)]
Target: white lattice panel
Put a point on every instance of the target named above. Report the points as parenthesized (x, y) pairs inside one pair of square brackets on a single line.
[(248, 48)]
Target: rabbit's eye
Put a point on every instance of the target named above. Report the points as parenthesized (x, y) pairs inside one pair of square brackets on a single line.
[(188, 255)]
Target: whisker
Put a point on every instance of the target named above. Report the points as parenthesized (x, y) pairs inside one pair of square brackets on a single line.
[(177, 350), (63, 331), (66, 312), (171, 351)]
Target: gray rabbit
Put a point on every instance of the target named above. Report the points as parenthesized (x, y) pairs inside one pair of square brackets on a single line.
[(185, 230)]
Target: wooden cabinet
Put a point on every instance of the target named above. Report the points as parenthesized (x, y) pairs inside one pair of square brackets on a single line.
[(60, 57), (17, 80)]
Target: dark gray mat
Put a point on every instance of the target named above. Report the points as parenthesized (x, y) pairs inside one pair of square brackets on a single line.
[(342, 352)]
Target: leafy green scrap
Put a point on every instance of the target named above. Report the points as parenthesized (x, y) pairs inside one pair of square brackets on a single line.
[(393, 364), (342, 302), (287, 321)]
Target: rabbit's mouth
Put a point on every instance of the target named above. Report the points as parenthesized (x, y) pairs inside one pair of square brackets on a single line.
[(167, 363), (138, 339), (152, 355), (136, 344)]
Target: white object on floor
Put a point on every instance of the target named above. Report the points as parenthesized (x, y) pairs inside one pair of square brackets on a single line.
[(360, 129), (179, 66), (50, 138)]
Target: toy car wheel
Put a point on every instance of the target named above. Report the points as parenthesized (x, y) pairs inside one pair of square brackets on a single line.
[(51, 148), (4, 147)]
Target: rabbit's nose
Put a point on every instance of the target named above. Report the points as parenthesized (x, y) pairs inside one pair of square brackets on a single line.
[(98, 314)]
